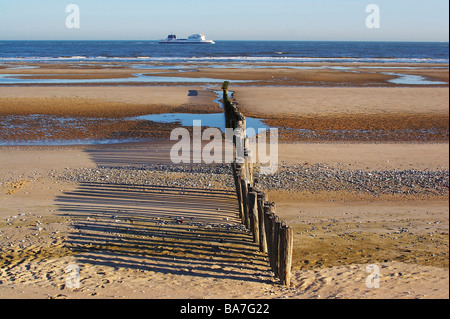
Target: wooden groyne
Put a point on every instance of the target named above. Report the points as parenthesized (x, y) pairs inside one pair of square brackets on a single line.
[(257, 213)]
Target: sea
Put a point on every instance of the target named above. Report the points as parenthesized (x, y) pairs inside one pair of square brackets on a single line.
[(224, 52)]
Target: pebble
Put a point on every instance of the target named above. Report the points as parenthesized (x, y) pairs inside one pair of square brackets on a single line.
[(296, 177)]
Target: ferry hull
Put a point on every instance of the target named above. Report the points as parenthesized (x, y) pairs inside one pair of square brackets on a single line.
[(184, 42)]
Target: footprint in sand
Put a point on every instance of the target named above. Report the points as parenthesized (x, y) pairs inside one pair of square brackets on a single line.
[(306, 284)]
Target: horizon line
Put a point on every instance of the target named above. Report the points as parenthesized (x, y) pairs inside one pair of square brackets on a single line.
[(153, 40)]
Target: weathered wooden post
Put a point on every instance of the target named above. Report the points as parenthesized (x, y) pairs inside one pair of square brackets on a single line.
[(269, 219), (239, 190), (250, 208), (275, 242), (225, 85), (227, 106), (262, 197), (253, 209), (245, 203), (245, 165), (250, 167), (247, 160), (286, 248), (256, 212), (239, 142)]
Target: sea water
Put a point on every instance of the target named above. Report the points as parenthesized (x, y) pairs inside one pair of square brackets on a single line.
[(224, 51)]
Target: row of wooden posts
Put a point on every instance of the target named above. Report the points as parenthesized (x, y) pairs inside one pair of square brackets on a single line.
[(257, 213)]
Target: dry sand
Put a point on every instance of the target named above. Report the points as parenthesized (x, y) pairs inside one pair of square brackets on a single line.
[(129, 241), (356, 156), (335, 242), (48, 224)]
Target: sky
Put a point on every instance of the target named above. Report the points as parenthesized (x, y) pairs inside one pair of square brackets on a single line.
[(299, 20)]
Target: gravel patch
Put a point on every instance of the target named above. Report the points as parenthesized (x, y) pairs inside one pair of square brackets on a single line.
[(295, 178)]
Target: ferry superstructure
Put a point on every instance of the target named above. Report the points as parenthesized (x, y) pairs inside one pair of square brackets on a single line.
[(192, 39)]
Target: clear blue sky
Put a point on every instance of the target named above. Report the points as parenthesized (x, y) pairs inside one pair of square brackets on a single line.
[(335, 20)]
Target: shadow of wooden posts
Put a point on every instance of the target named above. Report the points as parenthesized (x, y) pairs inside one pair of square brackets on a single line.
[(131, 155), (269, 232), (174, 230)]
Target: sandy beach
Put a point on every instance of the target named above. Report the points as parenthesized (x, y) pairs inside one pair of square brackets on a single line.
[(367, 184)]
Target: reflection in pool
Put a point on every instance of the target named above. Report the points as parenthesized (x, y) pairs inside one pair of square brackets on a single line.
[(412, 79), (136, 78), (207, 120)]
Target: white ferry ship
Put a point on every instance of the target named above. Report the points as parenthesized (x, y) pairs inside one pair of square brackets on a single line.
[(192, 39)]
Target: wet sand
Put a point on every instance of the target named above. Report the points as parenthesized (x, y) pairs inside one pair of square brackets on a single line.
[(268, 74), (316, 114), (105, 102), (71, 113), (336, 101), (137, 230), (351, 114)]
